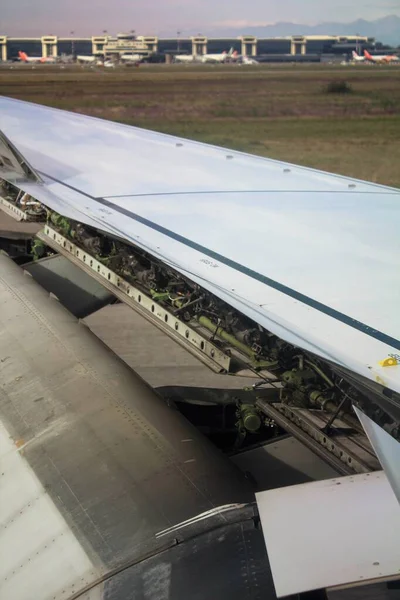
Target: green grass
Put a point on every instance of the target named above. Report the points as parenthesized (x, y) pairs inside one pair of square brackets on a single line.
[(279, 111)]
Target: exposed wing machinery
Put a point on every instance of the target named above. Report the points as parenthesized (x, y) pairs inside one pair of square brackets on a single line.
[(270, 265)]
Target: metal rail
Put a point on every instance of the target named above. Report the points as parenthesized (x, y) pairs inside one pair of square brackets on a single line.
[(181, 332), (344, 448), (13, 211), (347, 451)]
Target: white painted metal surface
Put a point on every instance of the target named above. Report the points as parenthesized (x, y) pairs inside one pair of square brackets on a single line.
[(331, 533), (39, 555), (12, 210), (312, 257), (386, 447), (281, 462), (92, 463)]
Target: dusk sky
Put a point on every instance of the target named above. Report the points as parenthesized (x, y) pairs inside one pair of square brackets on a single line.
[(85, 17)]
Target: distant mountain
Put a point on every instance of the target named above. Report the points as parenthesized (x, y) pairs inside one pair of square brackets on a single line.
[(385, 30)]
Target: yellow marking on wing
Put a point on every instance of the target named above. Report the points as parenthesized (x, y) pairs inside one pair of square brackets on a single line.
[(388, 362)]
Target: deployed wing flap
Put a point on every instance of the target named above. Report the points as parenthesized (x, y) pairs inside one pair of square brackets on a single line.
[(386, 447), (356, 520), (267, 243)]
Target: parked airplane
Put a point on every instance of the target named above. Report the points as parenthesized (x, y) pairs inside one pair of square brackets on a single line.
[(35, 59), (97, 61), (247, 60), (218, 58), (378, 58), (86, 59), (357, 58), (185, 58), (131, 58)]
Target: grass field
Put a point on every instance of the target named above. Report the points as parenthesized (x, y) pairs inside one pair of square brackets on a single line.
[(279, 111)]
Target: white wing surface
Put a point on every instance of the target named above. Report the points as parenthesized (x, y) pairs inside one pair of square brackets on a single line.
[(310, 256), (386, 448), (359, 540)]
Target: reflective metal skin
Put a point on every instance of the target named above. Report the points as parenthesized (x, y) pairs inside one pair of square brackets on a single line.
[(386, 448), (308, 256), (282, 244), (95, 464)]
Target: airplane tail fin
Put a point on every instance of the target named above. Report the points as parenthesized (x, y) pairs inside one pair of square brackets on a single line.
[(23, 56), (230, 53), (367, 54), (355, 55)]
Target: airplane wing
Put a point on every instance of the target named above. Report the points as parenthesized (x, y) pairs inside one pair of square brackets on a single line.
[(96, 469), (307, 551), (386, 448), (310, 256)]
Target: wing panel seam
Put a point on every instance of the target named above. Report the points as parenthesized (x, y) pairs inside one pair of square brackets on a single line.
[(280, 287)]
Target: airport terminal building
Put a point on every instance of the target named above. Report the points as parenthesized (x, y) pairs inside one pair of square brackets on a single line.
[(278, 48)]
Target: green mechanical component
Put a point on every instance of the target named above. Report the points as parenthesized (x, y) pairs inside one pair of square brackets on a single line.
[(224, 335), (105, 260), (38, 249), (318, 398), (297, 385), (249, 418), (298, 378), (110, 260), (230, 338), (299, 389), (320, 373), (159, 296), (179, 302), (61, 223)]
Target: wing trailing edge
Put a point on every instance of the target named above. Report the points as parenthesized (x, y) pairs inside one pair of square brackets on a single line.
[(386, 447), (13, 165), (331, 534)]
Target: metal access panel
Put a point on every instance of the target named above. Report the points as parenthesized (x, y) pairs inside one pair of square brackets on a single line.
[(78, 292), (282, 462), (13, 211), (331, 534), (11, 228)]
